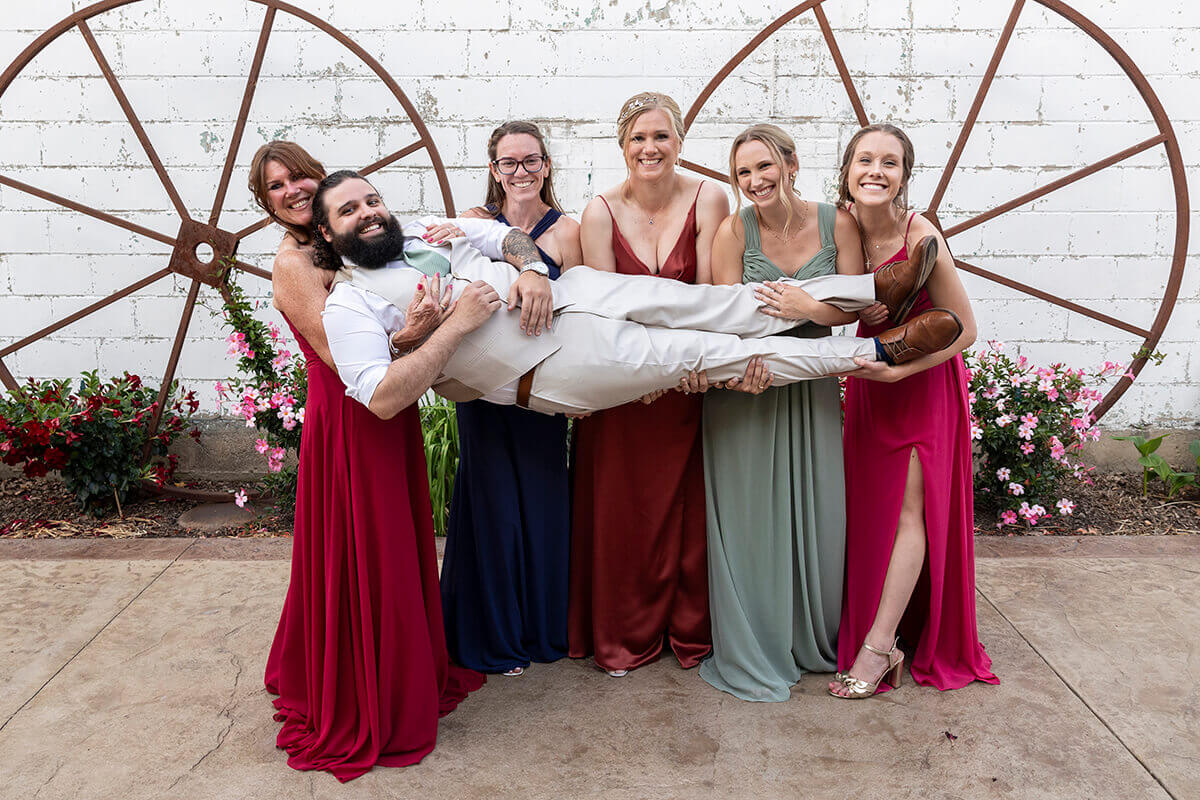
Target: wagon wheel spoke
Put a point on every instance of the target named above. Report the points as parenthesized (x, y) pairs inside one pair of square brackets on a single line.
[(134, 122), (393, 157), (1129, 327), (83, 312), (244, 112), (168, 376), (981, 93), (254, 228), (81, 208), (6, 377), (835, 51), (711, 173), (1055, 185), (253, 270)]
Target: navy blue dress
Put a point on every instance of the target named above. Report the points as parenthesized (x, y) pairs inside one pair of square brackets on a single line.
[(504, 577)]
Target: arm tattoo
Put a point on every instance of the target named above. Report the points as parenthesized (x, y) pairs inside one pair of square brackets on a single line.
[(519, 249)]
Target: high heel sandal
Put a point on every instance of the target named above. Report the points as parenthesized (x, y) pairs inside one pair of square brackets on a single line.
[(858, 689)]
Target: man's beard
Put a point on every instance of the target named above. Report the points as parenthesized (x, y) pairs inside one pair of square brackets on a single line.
[(374, 252)]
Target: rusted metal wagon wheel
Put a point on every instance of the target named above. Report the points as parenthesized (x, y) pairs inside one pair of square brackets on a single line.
[(217, 246), (1165, 137)]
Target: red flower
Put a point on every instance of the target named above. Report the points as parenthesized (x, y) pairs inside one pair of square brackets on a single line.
[(55, 458), (35, 469)]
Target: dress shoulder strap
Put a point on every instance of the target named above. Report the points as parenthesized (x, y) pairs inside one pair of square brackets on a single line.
[(826, 220), (549, 218), (750, 226), (907, 229), (606, 205)]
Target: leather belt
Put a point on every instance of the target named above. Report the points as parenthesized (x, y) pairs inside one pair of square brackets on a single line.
[(524, 387)]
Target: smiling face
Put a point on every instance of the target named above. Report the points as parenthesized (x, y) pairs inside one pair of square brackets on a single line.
[(875, 174), (359, 226), (762, 179), (652, 146), (521, 185), (289, 194)]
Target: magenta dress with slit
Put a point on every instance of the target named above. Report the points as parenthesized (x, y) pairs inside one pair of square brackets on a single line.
[(927, 411), (359, 660)]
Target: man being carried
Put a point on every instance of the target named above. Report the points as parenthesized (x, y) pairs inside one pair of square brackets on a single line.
[(613, 339)]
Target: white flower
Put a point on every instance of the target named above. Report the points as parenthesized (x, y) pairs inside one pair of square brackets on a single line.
[(1065, 507), (240, 498), (1003, 474), (1016, 489)]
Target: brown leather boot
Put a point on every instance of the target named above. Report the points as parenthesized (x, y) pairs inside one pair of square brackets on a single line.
[(896, 285), (928, 332)]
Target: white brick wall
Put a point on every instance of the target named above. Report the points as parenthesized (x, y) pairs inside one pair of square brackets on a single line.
[(1059, 102)]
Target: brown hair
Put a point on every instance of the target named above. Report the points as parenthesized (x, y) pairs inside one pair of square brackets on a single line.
[(782, 149), (908, 157), (297, 160), (495, 192)]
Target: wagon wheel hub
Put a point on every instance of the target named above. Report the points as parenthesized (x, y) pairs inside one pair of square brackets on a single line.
[(203, 252)]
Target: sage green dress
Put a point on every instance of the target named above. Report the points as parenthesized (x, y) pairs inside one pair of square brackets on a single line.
[(776, 514)]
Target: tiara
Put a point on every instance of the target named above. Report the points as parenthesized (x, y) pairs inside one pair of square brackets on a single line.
[(635, 105)]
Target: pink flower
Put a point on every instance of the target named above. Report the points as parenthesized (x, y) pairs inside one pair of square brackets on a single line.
[(221, 390), (1016, 489), (261, 445), (1065, 507), (1057, 450), (1027, 448), (1003, 474), (1003, 420), (240, 498), (1008, 518)]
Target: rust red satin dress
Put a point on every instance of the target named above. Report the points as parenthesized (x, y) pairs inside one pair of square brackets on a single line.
[(359, 660), (884, 422), (639, 572)]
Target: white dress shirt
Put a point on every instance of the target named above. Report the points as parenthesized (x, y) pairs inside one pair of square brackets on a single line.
[(357, 322)]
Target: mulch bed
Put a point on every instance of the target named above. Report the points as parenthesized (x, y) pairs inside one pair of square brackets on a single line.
[(1113, 504), (43, 509)]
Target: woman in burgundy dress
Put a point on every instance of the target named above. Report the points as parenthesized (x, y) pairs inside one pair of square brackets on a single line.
[(907, 443), (359, 660), (638, 558)]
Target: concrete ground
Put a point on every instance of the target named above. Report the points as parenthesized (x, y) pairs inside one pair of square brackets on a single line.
[(133, 669)]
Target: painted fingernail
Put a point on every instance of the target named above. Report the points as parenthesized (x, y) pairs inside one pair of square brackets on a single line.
[(420, 286)]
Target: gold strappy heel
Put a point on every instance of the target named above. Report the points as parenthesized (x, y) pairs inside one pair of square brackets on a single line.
[(858, 689)]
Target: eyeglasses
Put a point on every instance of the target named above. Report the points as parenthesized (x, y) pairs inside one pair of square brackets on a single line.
[(508, 166)]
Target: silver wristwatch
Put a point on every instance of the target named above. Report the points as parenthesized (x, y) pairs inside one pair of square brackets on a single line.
[(538, 267)]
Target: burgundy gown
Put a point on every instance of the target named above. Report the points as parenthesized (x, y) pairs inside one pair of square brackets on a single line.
[(639, 571), (359, 661), (884, 422)]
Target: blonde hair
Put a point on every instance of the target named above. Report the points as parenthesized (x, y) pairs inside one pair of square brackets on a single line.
[(782, 149), (641, 103), (908, 156), (495, 192), (297, 161)]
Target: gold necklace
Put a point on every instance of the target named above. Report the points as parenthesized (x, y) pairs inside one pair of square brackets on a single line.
[(799, 225)]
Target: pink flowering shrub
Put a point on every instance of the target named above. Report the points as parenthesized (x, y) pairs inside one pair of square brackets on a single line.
[(1028, 426), (269, 393)]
